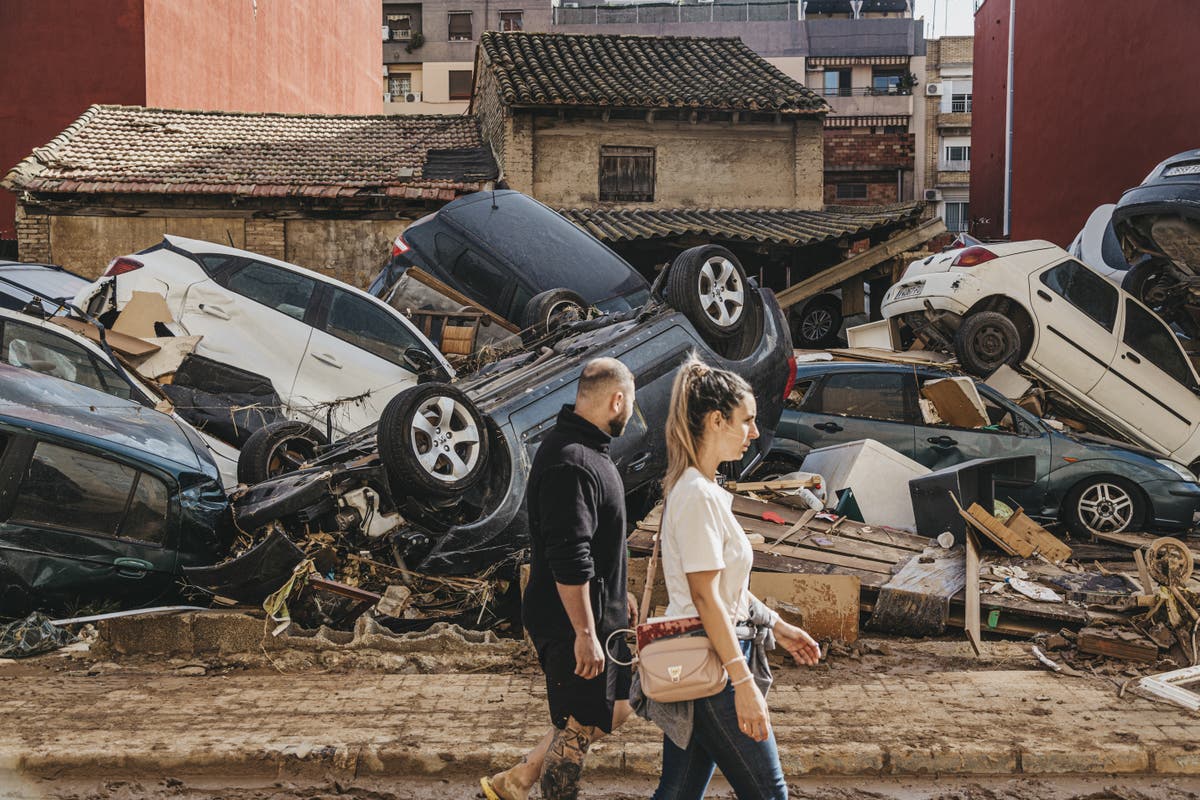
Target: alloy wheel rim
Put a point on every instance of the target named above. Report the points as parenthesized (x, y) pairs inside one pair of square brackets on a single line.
[(445, 439), (1106, 508), (289, 456), (722, 293), (816, 325)]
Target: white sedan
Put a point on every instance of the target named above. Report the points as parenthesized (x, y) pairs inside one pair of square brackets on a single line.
[(1032, 303), (330, 351)]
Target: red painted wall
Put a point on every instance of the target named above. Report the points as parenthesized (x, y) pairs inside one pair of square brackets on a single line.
[(292, 56), (57, 57), (1103, 91)]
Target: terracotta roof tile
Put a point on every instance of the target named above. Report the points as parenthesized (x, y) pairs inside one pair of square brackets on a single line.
[(135, 149), (703, 73), (777, 226)]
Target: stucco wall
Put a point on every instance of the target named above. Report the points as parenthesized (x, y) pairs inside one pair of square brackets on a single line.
[(702, 165), (350, 250), (295, 56), (87, 244)]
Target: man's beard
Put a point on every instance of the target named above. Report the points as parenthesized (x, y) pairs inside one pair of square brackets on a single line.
[(616, 425)]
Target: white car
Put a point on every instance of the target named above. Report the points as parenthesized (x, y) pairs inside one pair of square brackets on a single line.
[(47, 347), (1031, 302), (332, 353)]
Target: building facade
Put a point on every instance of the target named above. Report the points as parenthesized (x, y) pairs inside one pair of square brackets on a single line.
[(947, 152), (306, 56), (1093, 111)]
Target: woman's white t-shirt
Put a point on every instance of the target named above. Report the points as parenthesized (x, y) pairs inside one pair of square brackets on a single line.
[(701, 534)]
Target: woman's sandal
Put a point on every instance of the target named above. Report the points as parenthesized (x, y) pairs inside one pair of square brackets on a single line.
[(489, 791)]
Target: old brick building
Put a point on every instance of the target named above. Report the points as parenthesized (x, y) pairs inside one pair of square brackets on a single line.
[(325, 192), (949, 100)]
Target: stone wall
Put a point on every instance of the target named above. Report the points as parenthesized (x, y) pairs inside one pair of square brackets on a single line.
[(353, 251), (86, 244), (487, 107), (33, 236), (861, 149)]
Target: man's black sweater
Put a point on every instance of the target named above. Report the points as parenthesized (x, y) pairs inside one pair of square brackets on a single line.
[(577, 528)]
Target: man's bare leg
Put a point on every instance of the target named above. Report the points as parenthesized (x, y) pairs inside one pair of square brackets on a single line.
[(516, 782)]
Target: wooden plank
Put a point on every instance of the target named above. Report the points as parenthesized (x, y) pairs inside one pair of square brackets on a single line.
[(808, 540), (892, 537), (857, 264), (824, 605), (1143, 571), (805, 518), (1111, 642), (1136, 540), (971, 607), (783, 486), (822, 556), (421, 276), (916, 601), (1043, 540), (992, 528)]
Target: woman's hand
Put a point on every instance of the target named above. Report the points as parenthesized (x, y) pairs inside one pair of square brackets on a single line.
[(797, 642), (753, 718)]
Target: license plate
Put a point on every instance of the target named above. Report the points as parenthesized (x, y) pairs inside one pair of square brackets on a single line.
[(909, 291)]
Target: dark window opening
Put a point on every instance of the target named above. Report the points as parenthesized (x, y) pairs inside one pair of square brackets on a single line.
[(276, 288), (627, 174), (1146, 334), (1084, 289), (460, 84), (460, 26), (512, 20), (399, 25), (886, 81), (360, 322), (870, 395), (837, 82), (851, 191)]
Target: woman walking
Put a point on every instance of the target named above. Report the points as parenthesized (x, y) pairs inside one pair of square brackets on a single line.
[(706, 561)]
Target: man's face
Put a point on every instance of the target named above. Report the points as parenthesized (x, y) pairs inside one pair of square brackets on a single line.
[(622, 411)]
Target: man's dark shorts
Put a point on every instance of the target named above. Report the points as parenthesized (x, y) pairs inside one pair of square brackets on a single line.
[(590, 702)]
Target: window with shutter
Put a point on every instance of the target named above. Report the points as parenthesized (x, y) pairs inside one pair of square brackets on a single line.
[(626, 174), (460, 84), (460, 26)]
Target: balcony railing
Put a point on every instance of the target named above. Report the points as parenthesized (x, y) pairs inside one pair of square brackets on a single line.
[(954, 166), (864, 91), (569, 13), (960, 107)]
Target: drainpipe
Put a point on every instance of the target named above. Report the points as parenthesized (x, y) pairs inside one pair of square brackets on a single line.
[(1008, 114)]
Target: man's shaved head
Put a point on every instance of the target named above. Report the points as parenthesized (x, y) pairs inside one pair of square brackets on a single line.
[(604, 395)]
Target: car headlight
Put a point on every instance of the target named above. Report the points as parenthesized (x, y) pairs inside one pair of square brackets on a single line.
[(1179, 469)]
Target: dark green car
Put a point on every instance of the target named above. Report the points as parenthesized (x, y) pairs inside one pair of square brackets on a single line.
[(102, 500), (1089, 483)]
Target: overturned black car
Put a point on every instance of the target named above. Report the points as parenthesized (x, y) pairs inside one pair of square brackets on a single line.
[(438, 484)]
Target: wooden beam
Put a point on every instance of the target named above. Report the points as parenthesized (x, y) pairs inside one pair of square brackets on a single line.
[(856, 265), (971, 609)]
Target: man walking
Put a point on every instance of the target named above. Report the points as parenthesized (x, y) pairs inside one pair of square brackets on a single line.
[(576, 594)]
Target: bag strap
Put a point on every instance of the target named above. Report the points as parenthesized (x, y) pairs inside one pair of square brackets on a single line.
[(652, 564)]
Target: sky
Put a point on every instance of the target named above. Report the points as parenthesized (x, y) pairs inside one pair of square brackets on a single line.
[(946, 17)]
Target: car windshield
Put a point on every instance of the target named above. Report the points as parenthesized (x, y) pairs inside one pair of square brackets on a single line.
[(20, 282), (549, 251)]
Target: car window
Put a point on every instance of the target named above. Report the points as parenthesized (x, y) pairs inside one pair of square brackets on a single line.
[(35, 348), (1084, 289), (870, 395), (484, 279), (1152, 339), (275, 288), (365, 325), (73, 490), (215, 263), (799, 394)]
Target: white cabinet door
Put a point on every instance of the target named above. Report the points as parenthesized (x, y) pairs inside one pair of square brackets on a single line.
[(1075, 311), (1149, 381), (254, 322), (356, 362)]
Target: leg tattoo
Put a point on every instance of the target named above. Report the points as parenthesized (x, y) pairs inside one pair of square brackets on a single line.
[(564, 761)]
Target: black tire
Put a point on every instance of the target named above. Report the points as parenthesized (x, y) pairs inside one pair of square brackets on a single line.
[(417, 424), (985, 341), (709, 286), (547, 310), (277, 449), (1111, 504), (817, 324), (1156, 283)]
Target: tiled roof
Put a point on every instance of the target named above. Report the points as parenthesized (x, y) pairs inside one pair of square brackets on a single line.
[(691, 72), (777, 226), (119, 149)]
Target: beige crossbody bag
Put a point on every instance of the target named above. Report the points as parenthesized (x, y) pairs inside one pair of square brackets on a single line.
[(674, 663)]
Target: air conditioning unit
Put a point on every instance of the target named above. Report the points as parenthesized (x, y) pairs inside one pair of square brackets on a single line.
[(387, 97), (933, 195), (387, 33), (933, 89), (412, 97)]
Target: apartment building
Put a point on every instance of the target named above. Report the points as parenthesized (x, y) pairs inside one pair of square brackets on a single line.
[(947, 151)]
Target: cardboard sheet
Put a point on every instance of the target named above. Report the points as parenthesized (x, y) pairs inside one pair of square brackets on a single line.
[(140, 313), (122, 343)]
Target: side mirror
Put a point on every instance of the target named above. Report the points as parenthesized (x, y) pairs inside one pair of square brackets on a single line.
[(421, 361)]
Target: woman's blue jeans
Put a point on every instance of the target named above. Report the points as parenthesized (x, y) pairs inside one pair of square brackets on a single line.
[(752, 768)]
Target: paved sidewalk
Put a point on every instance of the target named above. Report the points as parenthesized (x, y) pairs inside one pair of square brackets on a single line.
[(358, 724)]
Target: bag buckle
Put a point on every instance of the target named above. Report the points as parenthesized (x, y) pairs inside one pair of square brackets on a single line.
[(676, 672)]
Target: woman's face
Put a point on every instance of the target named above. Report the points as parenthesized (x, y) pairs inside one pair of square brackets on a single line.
[(732, 435)]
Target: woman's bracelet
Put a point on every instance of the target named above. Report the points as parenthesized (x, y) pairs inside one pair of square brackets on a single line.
[(732, 661), (742, 680)]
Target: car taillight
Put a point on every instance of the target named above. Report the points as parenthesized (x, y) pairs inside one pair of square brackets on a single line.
[(791, 379), (119, 266), (399, 247), (972, 256)]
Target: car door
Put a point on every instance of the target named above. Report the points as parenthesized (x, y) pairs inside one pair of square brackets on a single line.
[(361, 350), (1010, 432), (846, 406), (1150, 383), (1076, 313), (81, 530), (253, 315)]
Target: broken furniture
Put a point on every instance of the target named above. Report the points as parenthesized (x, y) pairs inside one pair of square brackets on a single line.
[(971, 482), (878, 476)]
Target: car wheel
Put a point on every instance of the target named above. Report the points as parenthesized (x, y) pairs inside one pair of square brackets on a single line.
[(432, 441), (1105, 504), (277, 449), (985, 341), (548, 310), (818, 323), (709, 286)]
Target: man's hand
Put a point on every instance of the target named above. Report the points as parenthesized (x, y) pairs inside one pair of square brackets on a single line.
[(633, 609), (797, 642), (589, 657)]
